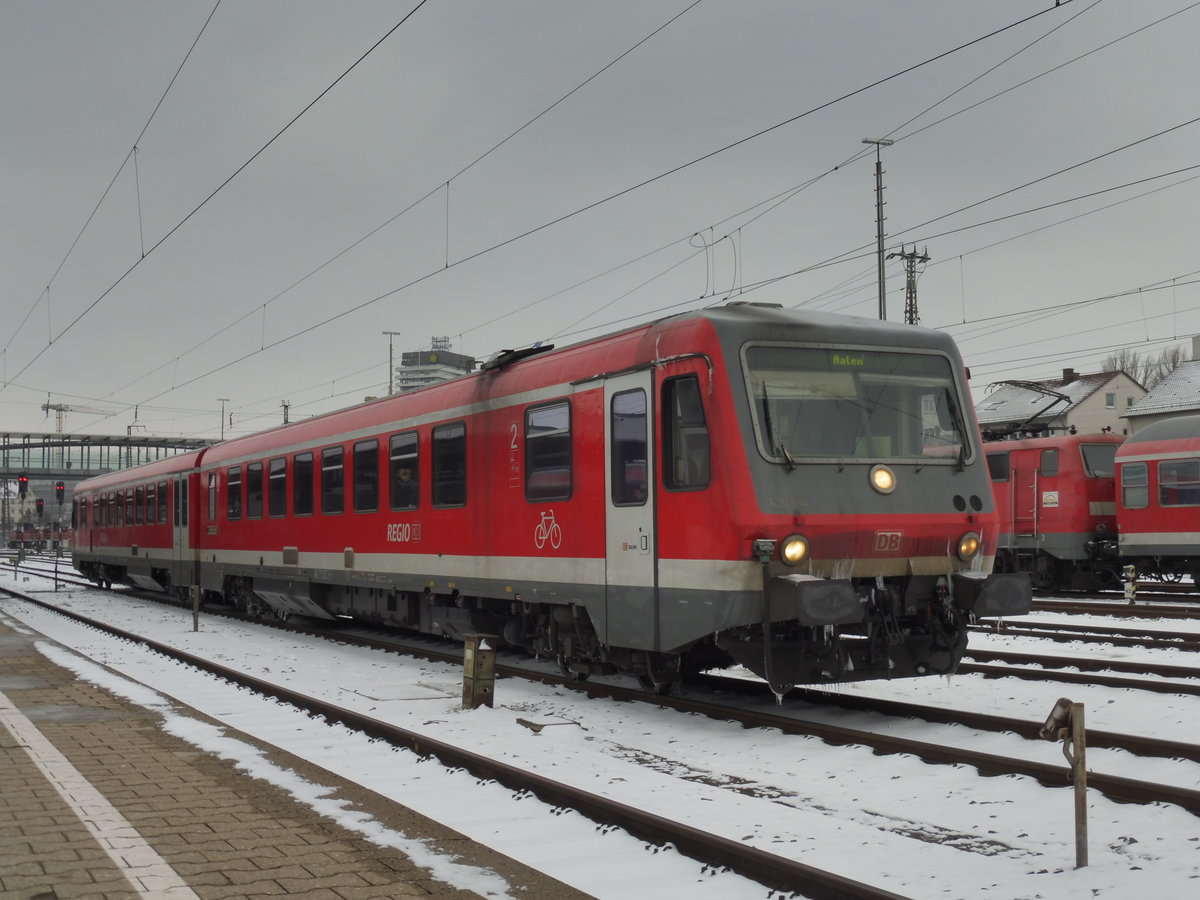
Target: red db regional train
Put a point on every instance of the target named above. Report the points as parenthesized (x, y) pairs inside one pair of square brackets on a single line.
[(1158, 503), (1057, 509), (803, 494)]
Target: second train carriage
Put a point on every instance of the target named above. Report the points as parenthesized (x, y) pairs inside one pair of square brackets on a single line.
[(1158, 499), (800, 493)]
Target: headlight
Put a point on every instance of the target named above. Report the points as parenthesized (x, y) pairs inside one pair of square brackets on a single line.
[(794, 549), (883, 479), (968, 546)]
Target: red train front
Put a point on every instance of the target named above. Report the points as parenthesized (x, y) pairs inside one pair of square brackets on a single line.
[(802, 494), (1158, 502), (1057, 509)]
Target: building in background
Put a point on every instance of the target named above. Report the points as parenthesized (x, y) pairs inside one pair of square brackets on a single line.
[(425, 367), (1075, 404), (1176, 395)]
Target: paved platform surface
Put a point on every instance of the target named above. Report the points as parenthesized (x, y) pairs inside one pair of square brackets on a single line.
[(97, 801)]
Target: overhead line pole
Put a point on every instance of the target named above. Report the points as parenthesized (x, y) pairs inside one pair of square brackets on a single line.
[(391, 362), (879, 142)]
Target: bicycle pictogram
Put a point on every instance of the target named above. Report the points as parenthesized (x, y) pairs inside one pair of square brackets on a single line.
[(547, 530)]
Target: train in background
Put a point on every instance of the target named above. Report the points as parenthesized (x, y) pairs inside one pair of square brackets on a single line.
[(1158, 499), (1056, 501), (802, 494), (37, 538)]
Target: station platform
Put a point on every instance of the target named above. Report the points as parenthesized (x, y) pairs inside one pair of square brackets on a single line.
[(97, 801)]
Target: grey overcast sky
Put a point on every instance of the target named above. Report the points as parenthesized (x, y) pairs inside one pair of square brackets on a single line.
[(278, 217)]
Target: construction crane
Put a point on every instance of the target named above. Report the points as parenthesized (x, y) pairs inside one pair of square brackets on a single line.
[(61, 409)]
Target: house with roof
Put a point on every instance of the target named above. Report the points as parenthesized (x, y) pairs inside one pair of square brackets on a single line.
[(1176, 395), (1083, 404)]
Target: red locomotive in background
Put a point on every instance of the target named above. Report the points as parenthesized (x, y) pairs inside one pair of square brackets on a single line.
[(1058, 514), (803, 494)]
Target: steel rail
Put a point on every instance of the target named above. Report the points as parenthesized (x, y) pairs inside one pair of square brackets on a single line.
[(1066, 636)]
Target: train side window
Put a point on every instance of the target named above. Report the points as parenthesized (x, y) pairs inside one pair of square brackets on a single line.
[(450, 464), (1049, 462), (1134, 493), (139, 505), (302, 484), (685, 453), (277, 487), (162, 503), (998, 466), (183, 502), (233, 494), (129, 505), (96, 503), (1179, 482), (404, 471), (366, 476), (212, 499), (548, 452), (254, 490), (152, 504), (333, 480), (630, 479)]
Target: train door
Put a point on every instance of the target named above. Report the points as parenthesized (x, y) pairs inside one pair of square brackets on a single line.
[(1025, 493), (631, 576), (181, 556)]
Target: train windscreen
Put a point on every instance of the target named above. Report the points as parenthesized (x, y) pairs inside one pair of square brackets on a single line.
[(1099, 460), (814, 402)]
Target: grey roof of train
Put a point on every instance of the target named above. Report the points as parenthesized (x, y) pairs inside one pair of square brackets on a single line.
[(1178, 392), (1167, 429), (1009, 403)]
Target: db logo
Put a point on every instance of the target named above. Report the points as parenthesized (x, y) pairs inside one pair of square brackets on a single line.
[(888, 541)]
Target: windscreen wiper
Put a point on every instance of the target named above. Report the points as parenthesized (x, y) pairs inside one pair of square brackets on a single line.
[(774, 440)]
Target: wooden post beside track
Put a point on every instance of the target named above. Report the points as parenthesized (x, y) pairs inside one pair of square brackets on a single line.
[(1078, 761), (194, 590), (1065, 723)]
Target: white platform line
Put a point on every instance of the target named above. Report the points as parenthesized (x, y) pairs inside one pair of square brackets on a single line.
[(148, 873)]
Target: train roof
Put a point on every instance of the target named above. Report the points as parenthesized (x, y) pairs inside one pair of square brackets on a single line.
[(732, 324), (1054, 440), (1176, 428), (160, 468)]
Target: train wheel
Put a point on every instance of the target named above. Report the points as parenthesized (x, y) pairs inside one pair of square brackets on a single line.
[(572, 673), (661, 673)]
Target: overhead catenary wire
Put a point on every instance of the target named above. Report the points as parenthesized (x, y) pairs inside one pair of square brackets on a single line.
[(120, 168), (613, 196), (91, 306), (441, 186)]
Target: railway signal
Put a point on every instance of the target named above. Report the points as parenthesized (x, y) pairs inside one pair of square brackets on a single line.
[(22, 485), (41, 507), (60, 491)]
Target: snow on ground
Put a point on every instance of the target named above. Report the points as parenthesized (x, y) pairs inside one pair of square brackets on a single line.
[(916, 829)]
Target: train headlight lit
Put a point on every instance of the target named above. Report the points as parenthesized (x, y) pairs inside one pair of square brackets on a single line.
[(883, 479), (968, 546), (794, 549)]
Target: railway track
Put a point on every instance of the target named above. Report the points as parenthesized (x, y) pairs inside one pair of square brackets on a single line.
[(1071, 632), (774, 871), (1120, 608), (1116, 787)]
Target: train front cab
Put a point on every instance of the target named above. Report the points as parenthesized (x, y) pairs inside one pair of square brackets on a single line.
[(854, 500)]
